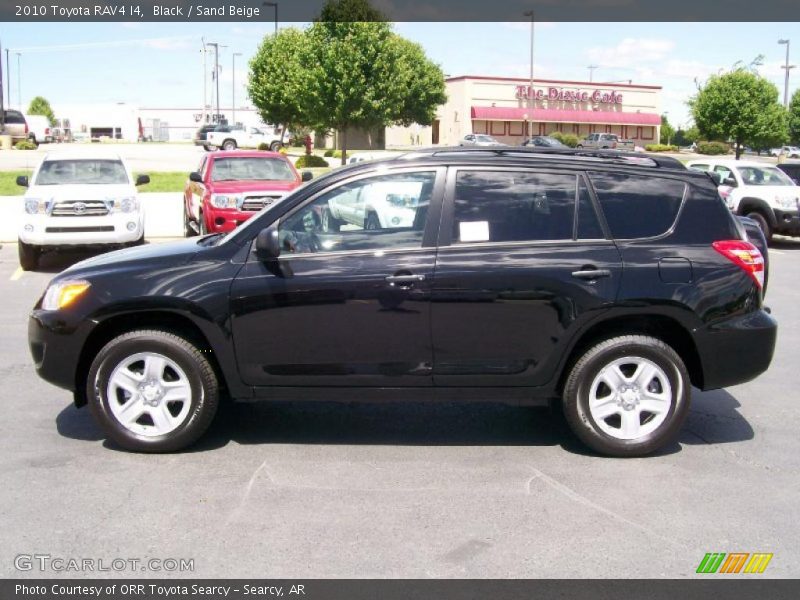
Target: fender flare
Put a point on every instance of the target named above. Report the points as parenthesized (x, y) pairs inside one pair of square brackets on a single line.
[(750, 204)]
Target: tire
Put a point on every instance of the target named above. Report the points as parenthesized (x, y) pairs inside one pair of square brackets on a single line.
[(143, 361), (763, 224), (139, 242), (329, 222), (627, 430), (372, 222), (229, 145), (207, 148), (275, 146), (579, 146), (28, 255), (203, 228), (188, 230)]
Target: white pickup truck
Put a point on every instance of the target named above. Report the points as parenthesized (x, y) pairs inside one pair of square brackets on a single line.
[(606, 141), (228, 138)]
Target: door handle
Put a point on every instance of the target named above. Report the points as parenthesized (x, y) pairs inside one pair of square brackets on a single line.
[(404, 279), (591, 274)]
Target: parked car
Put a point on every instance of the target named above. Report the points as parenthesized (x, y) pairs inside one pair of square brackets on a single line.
[(611, 285), (792, 170), (543, 141), (759, 191), (478, 139), (201, 135), (39, 131), (16, 126), (230, 187), (250, 137), (788, 151), (79, 199), (606, 141)]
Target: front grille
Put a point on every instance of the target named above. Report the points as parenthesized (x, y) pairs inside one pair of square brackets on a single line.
[(255, 203), (80, 208), (97, 229)]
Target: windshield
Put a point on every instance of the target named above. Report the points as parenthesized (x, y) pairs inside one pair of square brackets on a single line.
[(764, 176), (484, 138), (252, 168), (82, 172)]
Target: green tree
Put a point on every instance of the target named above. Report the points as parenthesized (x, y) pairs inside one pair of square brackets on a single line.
[(667, 131), (741, 107), (349, 11), (794, 118), (279, 80), (40, 106), (419, 81)]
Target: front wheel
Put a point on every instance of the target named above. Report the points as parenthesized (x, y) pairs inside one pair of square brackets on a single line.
[(28, 255), (229, 145), (763, 225), (152, 391), (372, 223), (275, 146), (627, 396)]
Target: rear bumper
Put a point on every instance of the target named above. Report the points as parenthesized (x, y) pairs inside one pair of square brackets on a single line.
[(737, 350)]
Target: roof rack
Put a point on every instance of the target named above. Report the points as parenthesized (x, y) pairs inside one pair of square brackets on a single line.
[(620, 156)]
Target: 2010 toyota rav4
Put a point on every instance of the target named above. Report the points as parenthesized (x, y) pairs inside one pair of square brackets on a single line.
[(610, 282)]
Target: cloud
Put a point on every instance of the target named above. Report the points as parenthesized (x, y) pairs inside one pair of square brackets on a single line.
[(171, 43), (631, 52)]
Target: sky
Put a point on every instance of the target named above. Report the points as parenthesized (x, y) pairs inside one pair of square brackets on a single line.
[(161, 64)]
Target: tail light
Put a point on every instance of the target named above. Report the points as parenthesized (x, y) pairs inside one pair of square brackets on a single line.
[(47, 131), (26, 128), (745, 256)]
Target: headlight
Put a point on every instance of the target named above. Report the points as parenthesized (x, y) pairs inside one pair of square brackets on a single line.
[(126, 205), (62, 294), (224, 201), (34, 206)]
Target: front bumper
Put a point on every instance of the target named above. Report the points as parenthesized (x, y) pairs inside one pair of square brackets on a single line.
[(223, 220), (788, 221), (55, 342), (736, 350), (46, 230)]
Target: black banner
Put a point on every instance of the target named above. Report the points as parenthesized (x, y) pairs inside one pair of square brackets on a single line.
[(293, 11), (745, 587)]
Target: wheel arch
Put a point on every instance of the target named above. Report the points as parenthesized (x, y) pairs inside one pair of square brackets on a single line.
[(749, 204), (164, 320), (665, 328)]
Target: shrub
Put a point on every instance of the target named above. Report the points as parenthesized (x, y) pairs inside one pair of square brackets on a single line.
[(568, 139), (660, 148), (712, 148), (263, 146), (25, 145), (310, 161), (283, 150), (331, 153)]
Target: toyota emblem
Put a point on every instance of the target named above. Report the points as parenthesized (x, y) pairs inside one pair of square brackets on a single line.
[(79, 208)]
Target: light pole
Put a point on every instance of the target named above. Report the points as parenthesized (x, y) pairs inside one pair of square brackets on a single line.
[(19, 81), (531, 95), (591, 72), (233, 86), (787, 66), (669, 136), (275, 6), (8, 80), (215, 45)]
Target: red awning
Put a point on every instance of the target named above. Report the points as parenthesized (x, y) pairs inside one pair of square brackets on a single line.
[(559, 115)]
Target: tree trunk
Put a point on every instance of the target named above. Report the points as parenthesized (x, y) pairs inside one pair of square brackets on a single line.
[(739, 148), (344, 145)]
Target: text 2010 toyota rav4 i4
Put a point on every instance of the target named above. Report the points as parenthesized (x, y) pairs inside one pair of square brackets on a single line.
[(611, 282)]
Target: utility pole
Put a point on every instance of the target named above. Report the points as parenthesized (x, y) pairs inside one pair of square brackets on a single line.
[(19, 82), (787, 66), (531, 95), (275, 6), (2, 104), (591, 72), (233, 85), (8, 80), (203, 116)]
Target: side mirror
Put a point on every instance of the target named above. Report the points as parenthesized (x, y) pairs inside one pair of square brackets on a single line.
[(268, 246), (195, 177), (142, 179), (22, 180), (730, 181), (307, 175), (715, 177)]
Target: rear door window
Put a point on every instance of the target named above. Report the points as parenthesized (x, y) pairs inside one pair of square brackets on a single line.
[(638, 206)]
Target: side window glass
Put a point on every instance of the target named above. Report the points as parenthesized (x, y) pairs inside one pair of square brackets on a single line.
[(588, 224), (726, 175), (377, 213), (513, 206), (637, 206)]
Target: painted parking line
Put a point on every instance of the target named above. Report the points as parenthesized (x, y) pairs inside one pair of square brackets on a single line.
[(17, 274), (777, 252)]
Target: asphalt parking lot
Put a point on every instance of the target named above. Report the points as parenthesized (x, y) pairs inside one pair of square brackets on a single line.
[(402, 490)]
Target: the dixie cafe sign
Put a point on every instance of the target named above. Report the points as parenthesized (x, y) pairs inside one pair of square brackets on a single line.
[(597, 96)]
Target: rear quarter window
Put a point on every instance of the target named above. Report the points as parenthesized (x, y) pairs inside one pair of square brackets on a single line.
[(638, 206), (14, 117)]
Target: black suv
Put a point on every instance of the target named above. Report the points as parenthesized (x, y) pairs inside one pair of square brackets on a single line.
[(609, 282)]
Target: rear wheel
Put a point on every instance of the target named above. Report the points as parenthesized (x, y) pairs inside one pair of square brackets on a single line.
[(275, 146), (28, 255), (627, 396), (329, 222), (763, 224), (207, 148), (152, 391), (188, 230)]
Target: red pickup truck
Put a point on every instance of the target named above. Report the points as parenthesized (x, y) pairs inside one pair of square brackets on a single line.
[(230, 187)]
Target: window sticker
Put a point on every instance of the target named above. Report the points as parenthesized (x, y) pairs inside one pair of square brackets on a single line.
[(473, 231)]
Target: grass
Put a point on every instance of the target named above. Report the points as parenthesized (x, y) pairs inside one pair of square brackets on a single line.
[(166, 181)]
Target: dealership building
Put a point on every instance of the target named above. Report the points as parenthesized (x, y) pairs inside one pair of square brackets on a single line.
[(510, 110)]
